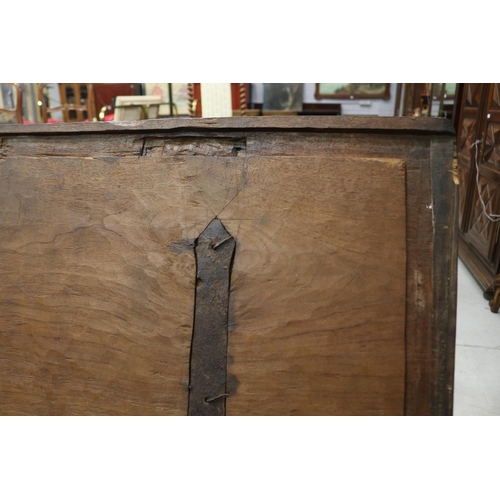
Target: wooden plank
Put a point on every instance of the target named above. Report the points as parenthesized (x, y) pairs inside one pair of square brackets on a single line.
[(339, 144), (424, 125), (97, 280), (420, 374), (414, 150), (444, 273), (318, 287), (85, 146), (214, 182), (419, 367), (97, 276)]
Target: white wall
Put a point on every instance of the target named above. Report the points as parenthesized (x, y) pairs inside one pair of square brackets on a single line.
[(377, 107)]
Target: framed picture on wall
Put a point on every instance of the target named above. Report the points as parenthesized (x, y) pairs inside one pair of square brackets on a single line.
[(353, 91)]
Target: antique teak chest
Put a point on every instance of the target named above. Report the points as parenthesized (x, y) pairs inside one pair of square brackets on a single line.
[(238, 266)]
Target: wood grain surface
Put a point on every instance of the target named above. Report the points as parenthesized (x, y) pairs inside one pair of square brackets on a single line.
[(318, 287), (97, 276), (94, 318), (319, 123), (342, 291)]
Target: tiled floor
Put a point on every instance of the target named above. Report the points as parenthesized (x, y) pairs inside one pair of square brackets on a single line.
[(477, 361)]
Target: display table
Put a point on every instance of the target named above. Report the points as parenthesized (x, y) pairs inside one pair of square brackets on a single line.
[(237, 266)]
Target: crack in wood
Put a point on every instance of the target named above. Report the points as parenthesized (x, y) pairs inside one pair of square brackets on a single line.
[(194, 146), (214, 251)]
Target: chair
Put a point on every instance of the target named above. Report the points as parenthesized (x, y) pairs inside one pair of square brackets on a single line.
[(77, 102), (18, 109)]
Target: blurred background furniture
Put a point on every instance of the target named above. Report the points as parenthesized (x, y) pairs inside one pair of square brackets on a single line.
[(76, 102), (425, 99), (105, 94), (136, 107), (478, 154), (13, 110)]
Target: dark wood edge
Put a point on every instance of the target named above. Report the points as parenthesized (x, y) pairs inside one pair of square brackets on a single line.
[(385, 95), (457, 106), (397, 104), (419, 367), (425, 125), (320, 108), (444, 194)]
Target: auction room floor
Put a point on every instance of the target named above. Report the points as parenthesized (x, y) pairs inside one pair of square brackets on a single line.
[(477, 362)]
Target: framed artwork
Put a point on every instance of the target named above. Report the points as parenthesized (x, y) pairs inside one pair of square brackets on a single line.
[(176, 93), (283, 97), (352, 91)]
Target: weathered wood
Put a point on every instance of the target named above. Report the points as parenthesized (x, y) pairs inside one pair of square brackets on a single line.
[(367, 123), (318, 287), (84, 146), (339, 300), (444, 273), (97, 278)]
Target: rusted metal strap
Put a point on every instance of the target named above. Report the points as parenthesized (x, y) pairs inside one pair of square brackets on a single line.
[(214, 251)]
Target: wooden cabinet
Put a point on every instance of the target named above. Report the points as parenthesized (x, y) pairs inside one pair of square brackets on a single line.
[(478, 152), (239, 266)]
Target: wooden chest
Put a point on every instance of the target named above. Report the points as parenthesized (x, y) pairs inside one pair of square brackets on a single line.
[(239, 266)]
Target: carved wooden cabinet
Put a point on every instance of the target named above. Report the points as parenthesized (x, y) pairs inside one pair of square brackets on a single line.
[(240, 266), (478, 152)]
